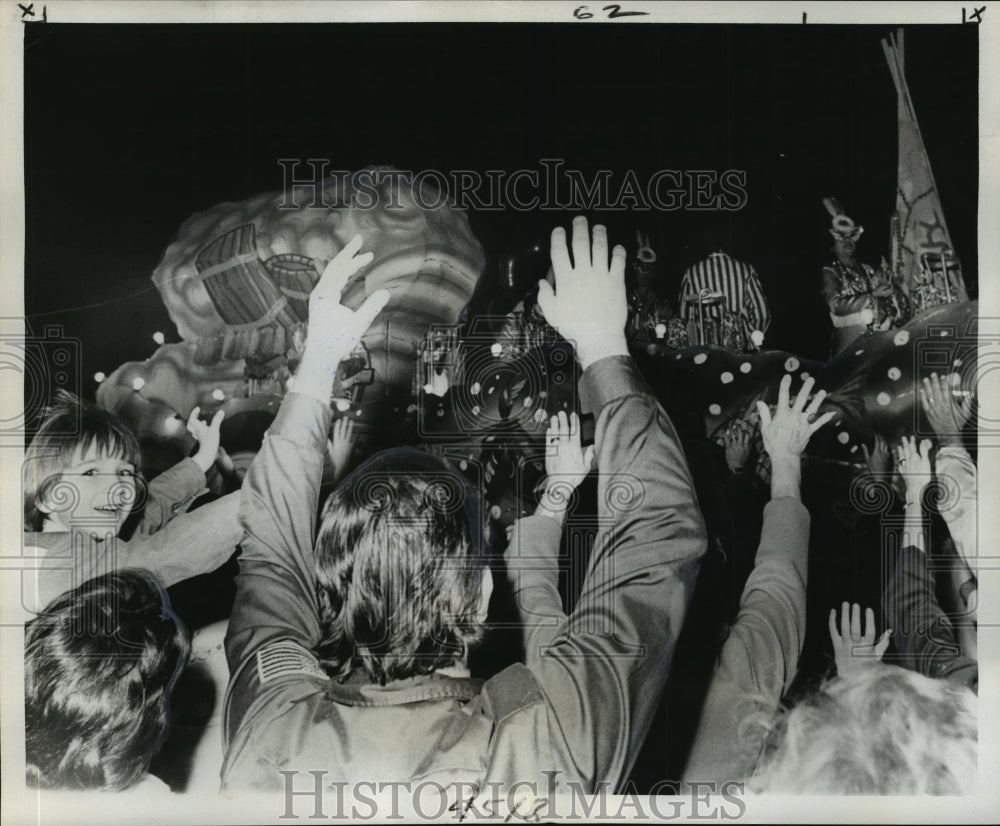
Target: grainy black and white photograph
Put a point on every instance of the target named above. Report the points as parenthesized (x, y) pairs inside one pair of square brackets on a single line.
[(556, 412)]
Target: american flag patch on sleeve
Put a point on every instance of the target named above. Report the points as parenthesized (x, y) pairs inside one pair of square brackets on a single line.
[(282, 658)]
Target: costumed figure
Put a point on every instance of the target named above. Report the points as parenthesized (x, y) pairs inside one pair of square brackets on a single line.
[(721, 298), (649, 316), (860, 299)]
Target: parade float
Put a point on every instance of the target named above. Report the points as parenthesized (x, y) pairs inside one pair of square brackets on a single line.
[(480, 387)]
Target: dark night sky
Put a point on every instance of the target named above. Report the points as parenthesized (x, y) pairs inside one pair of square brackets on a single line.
[(131, 129)]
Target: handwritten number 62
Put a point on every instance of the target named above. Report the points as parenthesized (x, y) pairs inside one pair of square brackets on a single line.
[(614, 10)]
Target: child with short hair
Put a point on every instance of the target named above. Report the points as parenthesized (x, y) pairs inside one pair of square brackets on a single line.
[(80, 483)]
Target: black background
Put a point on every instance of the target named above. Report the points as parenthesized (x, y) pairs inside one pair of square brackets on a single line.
[(131, 129)]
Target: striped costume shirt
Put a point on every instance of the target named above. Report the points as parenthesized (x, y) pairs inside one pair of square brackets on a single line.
[(737, 281)]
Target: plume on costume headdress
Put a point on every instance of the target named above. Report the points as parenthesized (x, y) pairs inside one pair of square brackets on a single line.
[(842, 225)]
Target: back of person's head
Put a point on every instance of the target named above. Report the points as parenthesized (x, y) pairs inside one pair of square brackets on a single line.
[(882, 730), (99, 665), (70, 425), (400, 568)]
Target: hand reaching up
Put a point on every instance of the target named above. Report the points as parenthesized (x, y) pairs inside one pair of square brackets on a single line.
[(946, 415), (334, 330), (208, 436), (853, 649), (737, 442), (914, 466), (878, 459), (588, 306), (340, 447), (787, 432), (566, 463)]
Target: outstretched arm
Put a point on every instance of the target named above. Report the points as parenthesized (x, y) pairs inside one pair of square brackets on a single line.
[(925, 638), (537, 538), (602, 668), (275, 588), (172, 492), (760, 657), (948, 415)]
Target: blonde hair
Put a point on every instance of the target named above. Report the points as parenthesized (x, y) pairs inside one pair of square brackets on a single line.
[(882, 730)]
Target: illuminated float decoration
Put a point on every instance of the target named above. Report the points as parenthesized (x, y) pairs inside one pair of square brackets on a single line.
[(236, 281)]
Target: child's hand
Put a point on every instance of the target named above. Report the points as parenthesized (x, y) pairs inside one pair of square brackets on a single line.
[(340, 446), (208, 436), (566, 463), (851, 648)]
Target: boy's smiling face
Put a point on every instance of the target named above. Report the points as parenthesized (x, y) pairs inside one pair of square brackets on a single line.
[(102, 491)]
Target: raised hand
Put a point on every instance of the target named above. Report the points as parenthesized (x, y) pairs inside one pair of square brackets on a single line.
[(946, 415), (588, 306), (787, 432), (737, 442), (340, 446), (852, 648), (334, 330), (566, 463), (878, 459), (208, 436), (914, 466), (330, 322)]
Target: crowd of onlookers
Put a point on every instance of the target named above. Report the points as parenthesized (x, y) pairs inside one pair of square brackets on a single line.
[(348, 646)]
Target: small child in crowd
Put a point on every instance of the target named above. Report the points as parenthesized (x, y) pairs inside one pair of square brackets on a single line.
[(81, 481)]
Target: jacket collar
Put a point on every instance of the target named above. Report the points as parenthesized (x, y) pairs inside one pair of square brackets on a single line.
[(358, 692)]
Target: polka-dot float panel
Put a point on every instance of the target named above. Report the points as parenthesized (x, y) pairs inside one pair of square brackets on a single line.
[(871, 384)]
